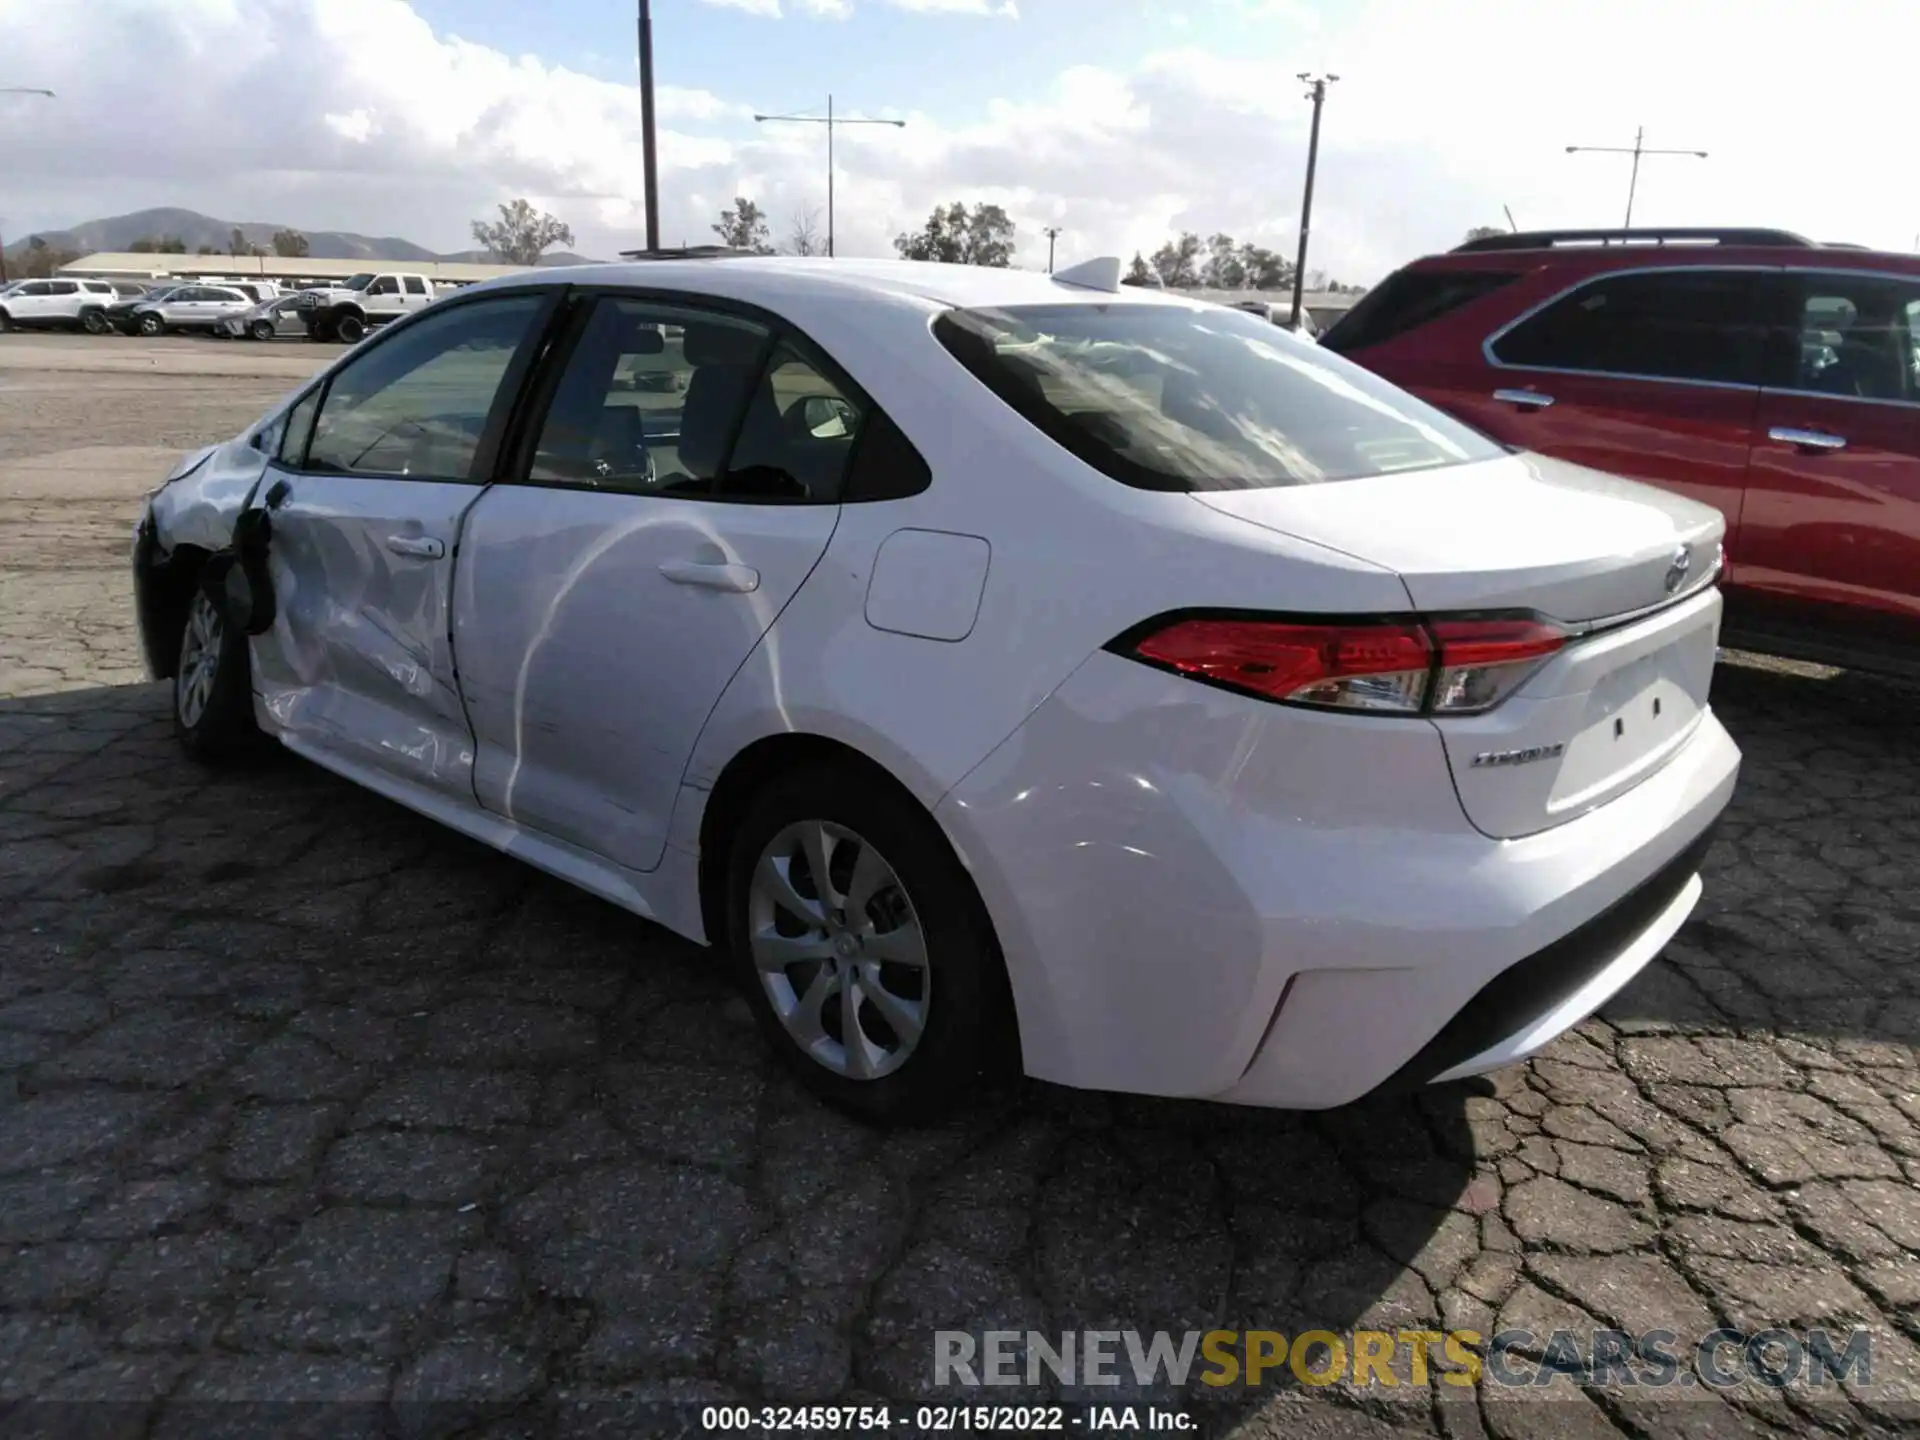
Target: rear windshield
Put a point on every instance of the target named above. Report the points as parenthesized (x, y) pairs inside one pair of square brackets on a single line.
[(1407, 300), (1172, 397)]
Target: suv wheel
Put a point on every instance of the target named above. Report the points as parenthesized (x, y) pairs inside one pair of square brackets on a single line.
[(6, 322), (94, 322), (261, 330), (152, 324), (349, 329)]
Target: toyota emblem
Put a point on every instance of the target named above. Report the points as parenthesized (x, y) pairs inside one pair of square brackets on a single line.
[(1677, 570)]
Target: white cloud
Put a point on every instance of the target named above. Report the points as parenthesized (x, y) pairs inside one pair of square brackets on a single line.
[(828, 9), (769, 8), (354, 114)]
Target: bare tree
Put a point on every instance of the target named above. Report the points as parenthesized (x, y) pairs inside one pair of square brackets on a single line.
[(522, 234), (803, 237)]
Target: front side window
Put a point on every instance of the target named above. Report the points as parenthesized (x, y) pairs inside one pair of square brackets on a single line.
[(417, 402), (297, 429), (1695, 324), (650, 399), (1856, 337), (385, 285), (1171, 397)]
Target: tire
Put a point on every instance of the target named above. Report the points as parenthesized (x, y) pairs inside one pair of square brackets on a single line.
[(957, 990), (321, 331), (349, 329), (94, 322), (150, 324), (6, 323), (213, 687), (261, 330)]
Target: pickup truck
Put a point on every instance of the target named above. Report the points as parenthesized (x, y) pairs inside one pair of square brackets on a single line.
[(345, 312)]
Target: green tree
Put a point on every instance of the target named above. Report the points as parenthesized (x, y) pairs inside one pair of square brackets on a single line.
[(744, 227), (1178, 262), (1139, 272), (209, 249), (1264, 269), (958, 236), (1224, 269), (290, 244), (158, 245), (522, 234)]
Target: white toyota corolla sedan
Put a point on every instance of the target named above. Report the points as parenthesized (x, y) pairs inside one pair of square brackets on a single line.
[(984, 663)]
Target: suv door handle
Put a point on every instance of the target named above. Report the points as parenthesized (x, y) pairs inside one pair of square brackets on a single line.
[(1528, 399), (422, 547), (1807, 439), (736, 579)]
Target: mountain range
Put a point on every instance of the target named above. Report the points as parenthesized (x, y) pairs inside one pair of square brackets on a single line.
[(118, 232)]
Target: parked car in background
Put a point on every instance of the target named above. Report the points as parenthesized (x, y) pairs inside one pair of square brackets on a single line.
[(1298, 740), (281, 316), (345, 312), (53, 304), (1281, 314), (1769, 376), (118, 316), (184, 307)]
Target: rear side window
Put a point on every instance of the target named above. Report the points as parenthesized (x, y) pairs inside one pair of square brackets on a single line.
[(1406, 301), (1171, 397), (1669, 324)]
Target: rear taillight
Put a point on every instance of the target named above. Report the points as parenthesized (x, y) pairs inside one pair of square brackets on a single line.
[(1441, 666)]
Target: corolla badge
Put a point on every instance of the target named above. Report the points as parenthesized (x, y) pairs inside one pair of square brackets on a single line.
[(1677, 569)]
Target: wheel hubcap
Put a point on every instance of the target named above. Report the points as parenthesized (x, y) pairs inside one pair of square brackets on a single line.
[(199, 660), (839, 949)]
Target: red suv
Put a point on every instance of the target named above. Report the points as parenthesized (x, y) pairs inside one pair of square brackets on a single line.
[(1774, 378)]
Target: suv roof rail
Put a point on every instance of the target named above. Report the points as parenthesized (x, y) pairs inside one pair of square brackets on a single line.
[(1547, 239), (684, 252)]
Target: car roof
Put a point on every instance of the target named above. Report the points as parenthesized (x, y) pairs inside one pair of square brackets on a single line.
[(770, 280)]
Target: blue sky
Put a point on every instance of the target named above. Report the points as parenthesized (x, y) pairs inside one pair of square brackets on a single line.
[(879, 59), (1125, 121)]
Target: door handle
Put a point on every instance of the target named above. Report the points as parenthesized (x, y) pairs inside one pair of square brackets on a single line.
[(1807, 439), (1527, 399), (736, 579), (421, 547)]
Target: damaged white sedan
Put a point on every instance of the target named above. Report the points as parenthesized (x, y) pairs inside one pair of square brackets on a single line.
[(989, 664)]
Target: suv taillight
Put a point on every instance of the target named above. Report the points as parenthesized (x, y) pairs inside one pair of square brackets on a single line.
[(1442, 666)]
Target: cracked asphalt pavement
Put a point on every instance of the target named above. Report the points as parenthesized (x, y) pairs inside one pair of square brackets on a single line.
[(305, 1100)]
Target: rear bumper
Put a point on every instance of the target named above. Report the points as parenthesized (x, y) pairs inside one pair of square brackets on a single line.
[(1208, 896)]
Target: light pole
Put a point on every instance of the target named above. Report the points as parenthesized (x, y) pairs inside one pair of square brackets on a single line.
[(17, 90), (1052, 232), (1636, 150), (649, 164), (829, 120), (1317, 92)]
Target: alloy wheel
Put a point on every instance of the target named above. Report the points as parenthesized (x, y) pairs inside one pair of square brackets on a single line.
[(199, 660), (839, 949)]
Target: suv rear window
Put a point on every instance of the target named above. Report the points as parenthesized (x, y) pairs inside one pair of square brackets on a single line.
[(1407, 300), (1172, 397)]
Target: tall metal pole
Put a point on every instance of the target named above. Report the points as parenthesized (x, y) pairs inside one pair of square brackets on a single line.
[(1317, 94), (1638, 149), (1052, 232), (650, 181), (829, 120)]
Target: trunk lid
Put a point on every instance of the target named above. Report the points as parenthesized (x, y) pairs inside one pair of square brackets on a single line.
[(1521, 532), (1600, 555)]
